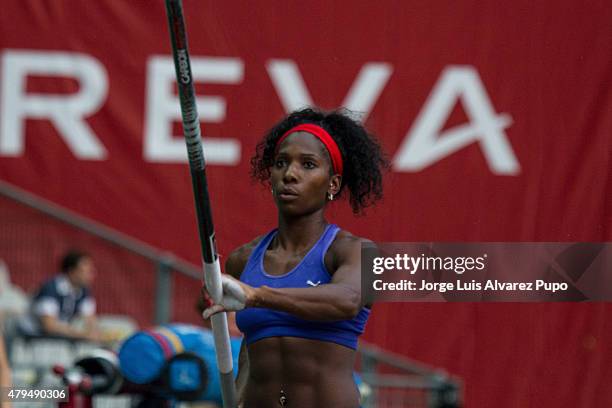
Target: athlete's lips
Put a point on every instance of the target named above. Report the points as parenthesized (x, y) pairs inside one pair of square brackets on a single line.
[(287, 193)]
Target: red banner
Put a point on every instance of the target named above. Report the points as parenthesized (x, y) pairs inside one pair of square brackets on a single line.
[(497, 118)]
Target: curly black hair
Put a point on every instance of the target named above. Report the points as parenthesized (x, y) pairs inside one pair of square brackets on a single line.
[(362, 155)]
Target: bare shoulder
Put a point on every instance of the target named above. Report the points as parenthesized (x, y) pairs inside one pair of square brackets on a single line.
[(346, 241), (346, 248), (238, 258)]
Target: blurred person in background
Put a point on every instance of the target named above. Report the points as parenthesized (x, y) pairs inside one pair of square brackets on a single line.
[(62, 299)]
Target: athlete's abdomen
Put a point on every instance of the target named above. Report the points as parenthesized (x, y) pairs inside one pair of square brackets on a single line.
[(310, 373)]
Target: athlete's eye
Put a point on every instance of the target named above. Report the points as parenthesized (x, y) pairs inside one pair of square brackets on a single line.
[(309, 164), (279, 163)]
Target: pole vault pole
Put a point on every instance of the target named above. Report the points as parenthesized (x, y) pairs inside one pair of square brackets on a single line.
[(197, 165)]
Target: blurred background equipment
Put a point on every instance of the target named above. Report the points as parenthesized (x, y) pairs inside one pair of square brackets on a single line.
[(390, 380), (176, 361)]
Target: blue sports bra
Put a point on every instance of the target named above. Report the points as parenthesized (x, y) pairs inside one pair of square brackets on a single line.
[(260, 323)]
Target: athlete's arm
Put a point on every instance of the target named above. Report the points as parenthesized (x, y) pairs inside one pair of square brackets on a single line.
[(338, 300)]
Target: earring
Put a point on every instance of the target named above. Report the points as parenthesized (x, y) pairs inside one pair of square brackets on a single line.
[(330, 196)]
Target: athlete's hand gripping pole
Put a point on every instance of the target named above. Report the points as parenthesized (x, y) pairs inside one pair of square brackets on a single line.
[(197, 165)]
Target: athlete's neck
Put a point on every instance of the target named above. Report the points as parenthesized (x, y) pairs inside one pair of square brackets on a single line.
[(299, 234)]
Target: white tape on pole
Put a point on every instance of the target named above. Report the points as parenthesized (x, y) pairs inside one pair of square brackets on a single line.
[(222, 342), (212, 279)]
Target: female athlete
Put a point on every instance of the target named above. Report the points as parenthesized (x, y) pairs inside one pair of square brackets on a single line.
[(297, 289)]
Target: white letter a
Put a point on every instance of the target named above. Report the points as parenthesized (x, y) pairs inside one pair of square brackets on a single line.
[(424, 144)]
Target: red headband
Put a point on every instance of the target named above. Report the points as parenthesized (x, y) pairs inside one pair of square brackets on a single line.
[(324, 137)]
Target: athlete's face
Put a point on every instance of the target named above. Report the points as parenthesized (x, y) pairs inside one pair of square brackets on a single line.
[(301, 175)]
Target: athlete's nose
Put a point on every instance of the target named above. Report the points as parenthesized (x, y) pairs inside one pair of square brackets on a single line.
[(291, 173)]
